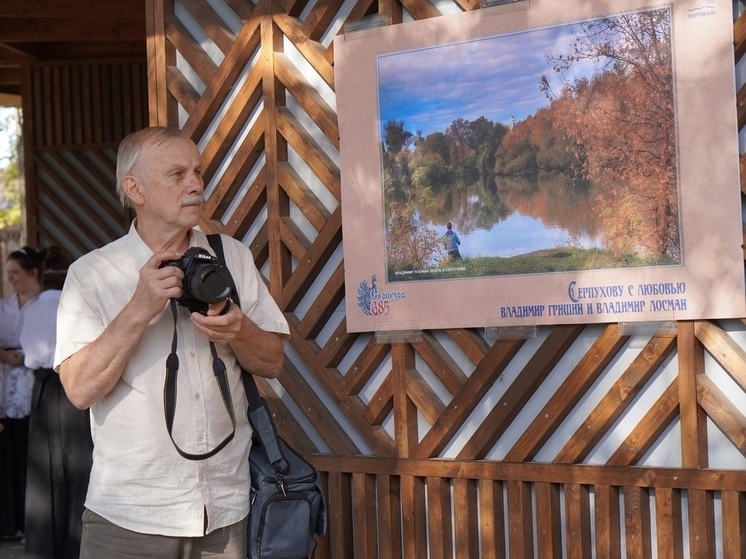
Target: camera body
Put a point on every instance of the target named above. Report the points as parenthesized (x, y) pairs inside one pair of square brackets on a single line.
[(206, 280)]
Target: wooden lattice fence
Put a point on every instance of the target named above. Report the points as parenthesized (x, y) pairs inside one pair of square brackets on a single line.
[(454, 445), (404, 432)]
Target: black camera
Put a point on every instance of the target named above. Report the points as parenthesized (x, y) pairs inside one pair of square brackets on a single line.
[(206, 280)]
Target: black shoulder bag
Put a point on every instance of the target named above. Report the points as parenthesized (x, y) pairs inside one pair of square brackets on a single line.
[(287, 501)]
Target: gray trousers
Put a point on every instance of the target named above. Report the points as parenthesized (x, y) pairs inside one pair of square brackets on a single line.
[(103, 539)]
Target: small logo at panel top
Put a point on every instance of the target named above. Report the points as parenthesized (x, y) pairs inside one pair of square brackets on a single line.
[(374, 302), (705, 9)]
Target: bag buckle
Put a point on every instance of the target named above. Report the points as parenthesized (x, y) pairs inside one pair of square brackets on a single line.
[(280, 482)]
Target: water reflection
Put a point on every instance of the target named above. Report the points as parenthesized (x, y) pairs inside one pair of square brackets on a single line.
[(517, 215)]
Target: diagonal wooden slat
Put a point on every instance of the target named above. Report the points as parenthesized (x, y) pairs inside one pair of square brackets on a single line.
[(248, 210), (190, 49), (302, 195), (182, 89), (464, 402), (337, 346), (739, 37), (471, 343), (616, 400), (234, 118), (519, 392), (579, 380), (647, 431), (236, 172), (311, 50), (322, 15), (351, 406), (364, 367), (53, 186), (324, 305), (440, 363), (99, 203), (260, 245), (381, 403), (225, 78), (724, 349), (421, 9), (308, 98), (283, 419), (315, 412), (423, 396), (722, 411), (213, 25), (71, 241), (316, 257), (293, 238), (306, 146)]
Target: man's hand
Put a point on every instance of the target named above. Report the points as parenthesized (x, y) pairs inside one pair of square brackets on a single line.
[(219, 326), (256, 350), (157, 285)]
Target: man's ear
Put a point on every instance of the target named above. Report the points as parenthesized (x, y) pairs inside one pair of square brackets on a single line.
[(133, 190)]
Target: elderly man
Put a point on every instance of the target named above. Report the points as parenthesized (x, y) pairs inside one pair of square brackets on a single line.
[(115, 331)]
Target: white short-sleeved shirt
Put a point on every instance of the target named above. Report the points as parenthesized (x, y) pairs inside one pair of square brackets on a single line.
[(16, 383), (138, 480), (38, 332)]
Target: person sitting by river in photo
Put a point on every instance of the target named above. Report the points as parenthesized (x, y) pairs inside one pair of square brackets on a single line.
[(452, 242)]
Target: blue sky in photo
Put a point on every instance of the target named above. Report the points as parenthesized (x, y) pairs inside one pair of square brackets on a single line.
[(495, 77)]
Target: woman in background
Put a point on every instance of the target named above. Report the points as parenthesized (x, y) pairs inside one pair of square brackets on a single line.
[(60, 444), (16, 384)]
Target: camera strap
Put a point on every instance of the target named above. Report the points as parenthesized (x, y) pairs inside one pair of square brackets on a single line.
[(169, 393)]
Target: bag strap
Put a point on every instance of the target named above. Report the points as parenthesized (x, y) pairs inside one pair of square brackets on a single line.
[(259, 414)]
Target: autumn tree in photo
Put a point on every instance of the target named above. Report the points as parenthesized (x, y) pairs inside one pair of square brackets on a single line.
[(410, 245), (623, 117)]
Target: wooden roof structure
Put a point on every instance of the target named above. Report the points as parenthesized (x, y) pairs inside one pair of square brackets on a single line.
[(39, 30)]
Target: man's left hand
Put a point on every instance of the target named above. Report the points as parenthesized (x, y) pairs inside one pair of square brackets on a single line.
[(220, 326)]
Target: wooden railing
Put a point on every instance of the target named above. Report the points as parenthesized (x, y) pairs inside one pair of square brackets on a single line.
[(418, 509)]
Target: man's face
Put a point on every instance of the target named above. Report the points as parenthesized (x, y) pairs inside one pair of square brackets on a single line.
[(173, 187)]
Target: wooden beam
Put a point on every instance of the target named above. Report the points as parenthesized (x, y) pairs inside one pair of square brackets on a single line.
[(104, 9), (10, 100), (10, 76), (32, 29)]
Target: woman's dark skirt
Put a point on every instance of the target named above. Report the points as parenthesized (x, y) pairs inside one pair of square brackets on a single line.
[(59, 463)]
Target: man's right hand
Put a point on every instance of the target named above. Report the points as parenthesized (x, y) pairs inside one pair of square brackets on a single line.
[(157, 284)]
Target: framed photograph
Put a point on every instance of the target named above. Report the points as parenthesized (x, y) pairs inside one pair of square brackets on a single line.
[(541, 163)]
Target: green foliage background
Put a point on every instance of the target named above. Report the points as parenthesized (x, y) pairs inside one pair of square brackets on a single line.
[(10, 184)]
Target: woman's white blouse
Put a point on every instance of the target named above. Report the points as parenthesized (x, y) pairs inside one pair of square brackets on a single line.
[(16, 383), (38, 329)]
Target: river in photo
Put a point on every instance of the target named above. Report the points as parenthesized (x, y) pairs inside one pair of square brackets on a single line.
[(517, 216)]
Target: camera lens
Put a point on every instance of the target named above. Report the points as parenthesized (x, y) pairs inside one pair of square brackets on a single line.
[(209, 283)]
